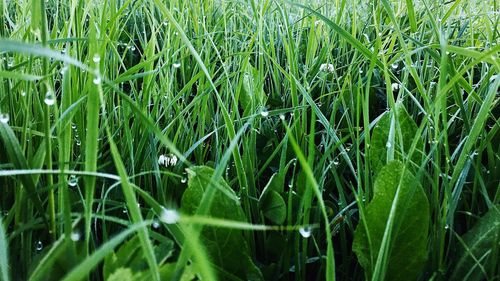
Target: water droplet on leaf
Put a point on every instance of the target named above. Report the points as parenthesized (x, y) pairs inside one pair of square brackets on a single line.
[(96, 58), (169, 216), (4, 118), (75, 236), (72, 181), (50, 98), (305, 231), (39, 245)]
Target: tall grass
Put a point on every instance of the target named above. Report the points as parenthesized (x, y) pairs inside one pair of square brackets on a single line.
[(92, 93)]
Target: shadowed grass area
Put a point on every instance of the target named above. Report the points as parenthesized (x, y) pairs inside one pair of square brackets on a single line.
[(111, 112)]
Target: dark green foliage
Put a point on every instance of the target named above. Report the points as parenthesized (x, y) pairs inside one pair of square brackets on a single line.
[(407, 250), (226, 248)]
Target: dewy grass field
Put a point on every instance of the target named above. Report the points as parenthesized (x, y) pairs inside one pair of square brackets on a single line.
[(249, 140)]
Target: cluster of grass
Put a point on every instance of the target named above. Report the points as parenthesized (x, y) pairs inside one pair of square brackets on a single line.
[(282, 99)]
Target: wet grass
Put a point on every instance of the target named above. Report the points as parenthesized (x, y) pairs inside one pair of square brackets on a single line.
[(93, 94)]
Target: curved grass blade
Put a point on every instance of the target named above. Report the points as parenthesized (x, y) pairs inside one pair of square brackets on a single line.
[(4, 251)]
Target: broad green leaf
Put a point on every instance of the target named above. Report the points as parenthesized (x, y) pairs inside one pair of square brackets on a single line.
[(130, 255), (408, 244), (273, 207), (276, 183), (379, 141), (477, 249), (98, 255), (121, 274), (55, 263), (220, 243), (271, 203), (167, 272)]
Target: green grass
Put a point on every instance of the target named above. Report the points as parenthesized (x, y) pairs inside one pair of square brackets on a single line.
[(291, 96)]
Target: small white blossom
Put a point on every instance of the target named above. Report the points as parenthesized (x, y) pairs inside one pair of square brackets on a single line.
[(395, 86), (161, 160), (168, 160), (173, 160), (327, 67)]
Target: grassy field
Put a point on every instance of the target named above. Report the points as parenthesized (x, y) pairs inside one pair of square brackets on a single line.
[(249, 140)]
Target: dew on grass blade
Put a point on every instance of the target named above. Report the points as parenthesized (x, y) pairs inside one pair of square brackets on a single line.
[(72, 181), (50, 98), (97, 80), (282, 116), (305, 231), (75, 236), (96, 58), (169, 216), (38, 245), (155, 224), (264, 113), (4, 118), (388, 144), (394, 66), (183, 180), (64, 69), (176, 64)]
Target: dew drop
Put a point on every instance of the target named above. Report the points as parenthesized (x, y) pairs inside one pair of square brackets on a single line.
[(50, 98), (23, 94), (72, 181), (394, 66), (132, 48), (96, 58), (75, 236), (97, 80), (305, 231), (63, 70), (264, 113), (39, 245), (165, 23), (176, 65), (282, 116), (183, 180), (4, 118), (169, 216), (336, 162), (124, 210), (155, 224), (388, 144)]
